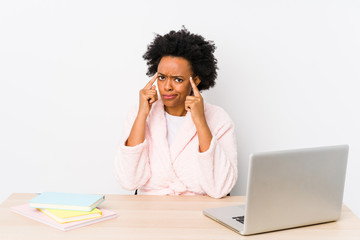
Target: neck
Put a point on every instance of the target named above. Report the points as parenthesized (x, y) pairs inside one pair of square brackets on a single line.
[(179, 111)]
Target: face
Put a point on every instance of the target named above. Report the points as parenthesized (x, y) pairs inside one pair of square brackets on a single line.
[(174, 83)]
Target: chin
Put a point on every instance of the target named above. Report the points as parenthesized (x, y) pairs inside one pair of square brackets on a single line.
[(170, 103)]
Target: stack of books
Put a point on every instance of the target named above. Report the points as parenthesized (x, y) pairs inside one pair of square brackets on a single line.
[(65, 211)]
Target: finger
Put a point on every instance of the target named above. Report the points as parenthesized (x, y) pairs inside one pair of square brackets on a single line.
[(194, 87), (191, 98), (189, 104), (192, 103), (151, 99), (149, 92), (151, 82), (187, 107), (150, 96)]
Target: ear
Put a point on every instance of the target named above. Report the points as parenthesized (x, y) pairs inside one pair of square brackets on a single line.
[(197, 81)]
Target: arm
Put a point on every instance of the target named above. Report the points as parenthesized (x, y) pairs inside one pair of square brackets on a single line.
[(195, 104), (217, 156), (218, 165), (147, 97), (132, 168)]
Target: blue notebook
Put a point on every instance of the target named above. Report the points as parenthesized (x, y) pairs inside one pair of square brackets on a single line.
[(67, 201)]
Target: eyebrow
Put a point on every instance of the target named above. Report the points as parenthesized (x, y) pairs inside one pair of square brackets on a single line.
[(172, 76)]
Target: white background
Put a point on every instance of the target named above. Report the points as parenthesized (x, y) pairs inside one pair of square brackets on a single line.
[(70, 70)]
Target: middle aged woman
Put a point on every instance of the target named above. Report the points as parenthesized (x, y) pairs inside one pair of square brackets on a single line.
[(178, 144)]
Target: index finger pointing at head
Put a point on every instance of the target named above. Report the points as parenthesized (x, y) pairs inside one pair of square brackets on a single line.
[(151, 82), (194, 87)]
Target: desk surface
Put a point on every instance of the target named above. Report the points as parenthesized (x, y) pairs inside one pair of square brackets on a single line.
[(162, 217)]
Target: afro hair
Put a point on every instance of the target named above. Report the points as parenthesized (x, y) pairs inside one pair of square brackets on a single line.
[(192, 47)]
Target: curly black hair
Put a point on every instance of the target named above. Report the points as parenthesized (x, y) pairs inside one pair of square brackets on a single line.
[(192, 47)]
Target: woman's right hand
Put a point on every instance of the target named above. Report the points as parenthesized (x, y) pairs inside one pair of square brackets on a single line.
[(147, 95)]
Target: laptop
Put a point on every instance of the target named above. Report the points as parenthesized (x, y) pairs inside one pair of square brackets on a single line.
[(288, 189)]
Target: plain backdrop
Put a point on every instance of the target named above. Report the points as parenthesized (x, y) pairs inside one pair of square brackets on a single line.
[(70, 70)]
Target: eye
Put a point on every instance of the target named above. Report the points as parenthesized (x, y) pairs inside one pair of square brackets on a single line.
[(178, 80), (161, 78)]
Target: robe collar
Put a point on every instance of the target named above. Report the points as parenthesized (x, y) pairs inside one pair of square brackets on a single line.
[(158, 131)]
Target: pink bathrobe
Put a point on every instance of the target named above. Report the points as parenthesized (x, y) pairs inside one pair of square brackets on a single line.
[(153, 167)]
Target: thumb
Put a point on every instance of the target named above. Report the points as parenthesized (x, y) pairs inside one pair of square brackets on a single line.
[(153, 87)]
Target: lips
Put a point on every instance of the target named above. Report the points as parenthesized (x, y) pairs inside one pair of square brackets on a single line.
[(169, 97)]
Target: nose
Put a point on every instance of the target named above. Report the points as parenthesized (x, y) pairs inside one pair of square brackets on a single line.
[(168, 85)]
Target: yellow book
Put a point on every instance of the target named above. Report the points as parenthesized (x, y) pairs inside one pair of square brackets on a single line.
[(64, 216)]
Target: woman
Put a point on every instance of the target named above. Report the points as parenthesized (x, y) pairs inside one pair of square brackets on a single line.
[(178, 144)]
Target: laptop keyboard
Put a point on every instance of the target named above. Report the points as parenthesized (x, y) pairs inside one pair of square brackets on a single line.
[(239, 219)]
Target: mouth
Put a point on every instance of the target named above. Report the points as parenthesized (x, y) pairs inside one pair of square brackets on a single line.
[(168, 97)]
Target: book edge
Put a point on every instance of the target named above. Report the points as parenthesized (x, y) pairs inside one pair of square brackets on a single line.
[(71, 219), (83, 224)]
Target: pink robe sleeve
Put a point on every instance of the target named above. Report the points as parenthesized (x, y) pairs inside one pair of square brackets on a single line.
[(132, 168), (218, 165)]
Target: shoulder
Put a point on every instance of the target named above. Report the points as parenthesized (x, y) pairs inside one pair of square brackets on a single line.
[(215, 111), (216, 116)]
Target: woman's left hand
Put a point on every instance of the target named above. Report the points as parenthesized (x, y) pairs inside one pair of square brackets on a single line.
[(195, 105)]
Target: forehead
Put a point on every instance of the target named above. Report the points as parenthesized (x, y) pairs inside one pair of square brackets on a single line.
[(170, 65)]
